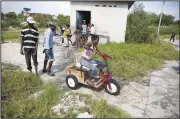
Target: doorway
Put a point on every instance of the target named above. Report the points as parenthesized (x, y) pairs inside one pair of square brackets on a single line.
[(83, 15)]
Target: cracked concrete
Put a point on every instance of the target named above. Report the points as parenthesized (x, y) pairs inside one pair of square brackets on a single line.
[(163, 95)]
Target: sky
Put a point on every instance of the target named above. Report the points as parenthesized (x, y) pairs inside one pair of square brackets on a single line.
[(63, 7)]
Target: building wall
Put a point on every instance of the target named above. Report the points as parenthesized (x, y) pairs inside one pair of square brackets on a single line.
[(109, 21)]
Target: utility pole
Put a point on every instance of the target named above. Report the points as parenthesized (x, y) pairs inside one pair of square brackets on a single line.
[(160, 19)]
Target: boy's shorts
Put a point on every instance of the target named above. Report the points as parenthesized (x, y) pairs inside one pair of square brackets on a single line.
[(49, 56)]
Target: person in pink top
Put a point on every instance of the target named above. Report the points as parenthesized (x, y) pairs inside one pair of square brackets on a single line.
[(87, 61)]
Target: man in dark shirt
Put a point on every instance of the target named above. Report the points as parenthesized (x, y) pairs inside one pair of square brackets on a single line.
[(172, 36), (29, 43)]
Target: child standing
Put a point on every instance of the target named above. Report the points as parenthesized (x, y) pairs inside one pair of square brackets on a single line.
[(77, 37), (67, 34)]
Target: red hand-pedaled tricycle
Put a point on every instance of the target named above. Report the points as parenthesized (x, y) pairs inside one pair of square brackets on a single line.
[(79, 74)]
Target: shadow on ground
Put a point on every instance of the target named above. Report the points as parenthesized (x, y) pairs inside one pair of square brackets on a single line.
[(57, 68), (176, 68)]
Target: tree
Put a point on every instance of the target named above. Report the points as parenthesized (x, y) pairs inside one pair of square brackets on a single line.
[(177, 22), (11, 15), (48, 18), (62, 20), (138, 26), (11, 19), (166, 19), (153, 19), (21, 17), (2, 16), (39, 18)]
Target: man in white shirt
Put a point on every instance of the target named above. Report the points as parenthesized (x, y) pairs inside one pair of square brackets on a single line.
[(48, 49), (92, 29)]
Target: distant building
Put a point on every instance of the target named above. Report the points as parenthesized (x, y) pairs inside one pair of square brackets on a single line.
[(109, 18)]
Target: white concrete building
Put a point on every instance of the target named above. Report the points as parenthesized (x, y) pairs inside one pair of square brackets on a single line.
[(109, 18)]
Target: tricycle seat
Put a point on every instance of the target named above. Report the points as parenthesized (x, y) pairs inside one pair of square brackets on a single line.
[(79, 66)]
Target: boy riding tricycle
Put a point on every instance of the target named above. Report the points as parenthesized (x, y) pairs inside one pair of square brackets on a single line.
[(92, 72)]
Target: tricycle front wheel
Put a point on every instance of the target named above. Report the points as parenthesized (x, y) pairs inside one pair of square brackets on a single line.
[(115, 87)]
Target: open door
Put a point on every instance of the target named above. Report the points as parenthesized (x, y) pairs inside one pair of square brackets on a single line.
[(83, 15)]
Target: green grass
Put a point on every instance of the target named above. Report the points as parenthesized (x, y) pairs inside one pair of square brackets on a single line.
[(169, 29), (133, 61), (9, 67), (17, 86), (165, 32), (104, 110), (98, 108), (101, 109), (15, 35), (168, 36)]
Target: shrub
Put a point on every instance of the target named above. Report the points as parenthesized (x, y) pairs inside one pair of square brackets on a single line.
[(138, 26)]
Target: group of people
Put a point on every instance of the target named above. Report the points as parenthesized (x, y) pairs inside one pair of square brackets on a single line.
[(83, 31), (29, 47), (90, 29)]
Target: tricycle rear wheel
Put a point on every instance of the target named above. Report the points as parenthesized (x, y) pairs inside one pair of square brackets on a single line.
[(115, 87), (72, 82)]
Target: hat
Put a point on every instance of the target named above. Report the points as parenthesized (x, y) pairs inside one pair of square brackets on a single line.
[(30, 20), (52, 25)]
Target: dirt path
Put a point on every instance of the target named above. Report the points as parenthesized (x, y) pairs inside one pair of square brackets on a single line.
[(63, 56), (159, 99), (176, 43)]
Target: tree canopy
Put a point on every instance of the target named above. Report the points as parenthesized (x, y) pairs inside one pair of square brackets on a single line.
[(14, 20)]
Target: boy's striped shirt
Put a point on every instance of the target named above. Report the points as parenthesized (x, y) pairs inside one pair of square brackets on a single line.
[(30, 36)]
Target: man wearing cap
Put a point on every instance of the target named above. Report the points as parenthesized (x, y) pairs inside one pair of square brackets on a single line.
[(48, 49), (29, 43)]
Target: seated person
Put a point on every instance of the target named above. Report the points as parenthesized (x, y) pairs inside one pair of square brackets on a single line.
[(95, 42), (87, 60)]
